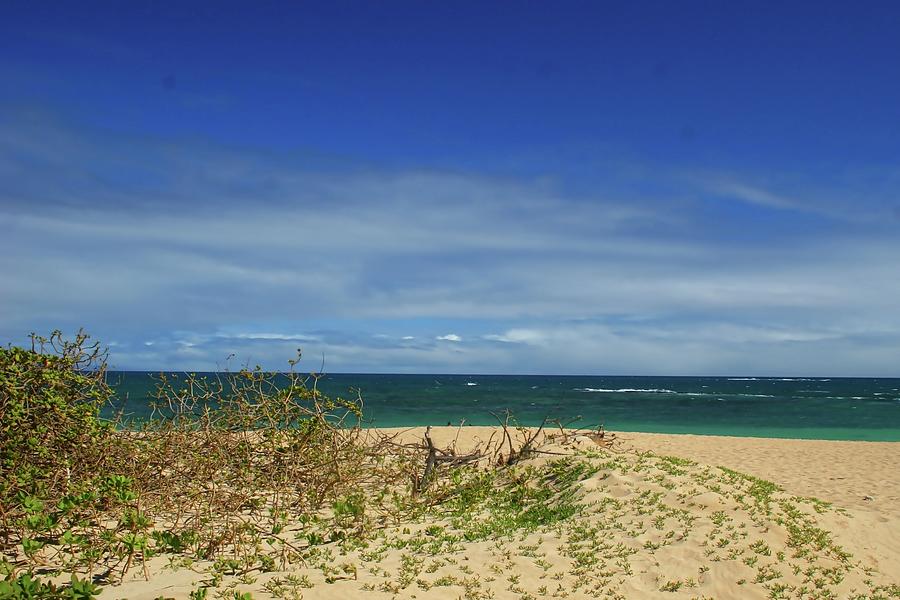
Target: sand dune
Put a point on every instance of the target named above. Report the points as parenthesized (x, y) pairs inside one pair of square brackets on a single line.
[(623, 524), (852, 474)]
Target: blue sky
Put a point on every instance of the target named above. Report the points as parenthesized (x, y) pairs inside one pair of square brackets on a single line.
[(637, 188)]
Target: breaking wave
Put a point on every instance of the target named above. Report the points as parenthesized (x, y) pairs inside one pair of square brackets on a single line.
[(664, 391), (626, 391)]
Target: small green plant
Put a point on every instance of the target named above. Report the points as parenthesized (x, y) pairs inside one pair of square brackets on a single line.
[(27, 587), (349, 511), (671, 586)]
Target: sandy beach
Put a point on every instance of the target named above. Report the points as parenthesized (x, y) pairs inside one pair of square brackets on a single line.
[(648, 526), (860, 475)]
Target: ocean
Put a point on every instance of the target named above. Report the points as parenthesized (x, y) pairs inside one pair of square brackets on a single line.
[(787, 407)]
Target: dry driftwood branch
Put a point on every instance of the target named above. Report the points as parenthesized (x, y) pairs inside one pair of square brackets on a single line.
[(562, 426), (515, 455), (430, 460), (527, 447), (603, 438), (438, 456)]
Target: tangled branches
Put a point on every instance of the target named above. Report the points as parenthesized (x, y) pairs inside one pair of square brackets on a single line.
[(251, 467)]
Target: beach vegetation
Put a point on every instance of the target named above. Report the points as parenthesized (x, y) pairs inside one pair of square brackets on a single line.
[(28, 587), (51, 436), (253, 478)]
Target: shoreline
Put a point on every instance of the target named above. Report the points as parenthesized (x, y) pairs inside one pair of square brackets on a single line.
[(657, 524), (792, 408), (845, 472), (886, 435)]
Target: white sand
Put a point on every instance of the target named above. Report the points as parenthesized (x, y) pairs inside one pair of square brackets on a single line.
[(712, 557)]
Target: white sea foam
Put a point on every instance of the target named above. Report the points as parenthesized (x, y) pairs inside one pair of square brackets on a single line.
[(662, 391), (626, 391), (774, 379), (471, 383)]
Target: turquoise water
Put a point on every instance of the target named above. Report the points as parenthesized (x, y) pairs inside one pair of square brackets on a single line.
[(815, 408)]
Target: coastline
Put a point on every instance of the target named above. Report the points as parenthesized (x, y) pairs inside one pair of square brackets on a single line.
[(857, 477), (789, 408), (850, 473)]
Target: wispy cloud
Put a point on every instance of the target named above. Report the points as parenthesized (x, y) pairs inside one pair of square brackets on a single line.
[(851, 196), (294, 337), (753, 195), (185, 253)]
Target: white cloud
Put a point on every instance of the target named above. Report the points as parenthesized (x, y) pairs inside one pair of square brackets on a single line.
[(518, 336), (754, 195), (298, 337), (240, 254)]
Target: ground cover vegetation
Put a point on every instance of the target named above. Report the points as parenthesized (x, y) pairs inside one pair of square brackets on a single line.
[(256, 480)]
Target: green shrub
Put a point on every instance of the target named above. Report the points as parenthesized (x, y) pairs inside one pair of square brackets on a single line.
[(80, 493), (26, 587), (51, 436)]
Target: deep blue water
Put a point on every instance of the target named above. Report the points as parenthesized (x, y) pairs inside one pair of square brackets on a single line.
[(819, 408)]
